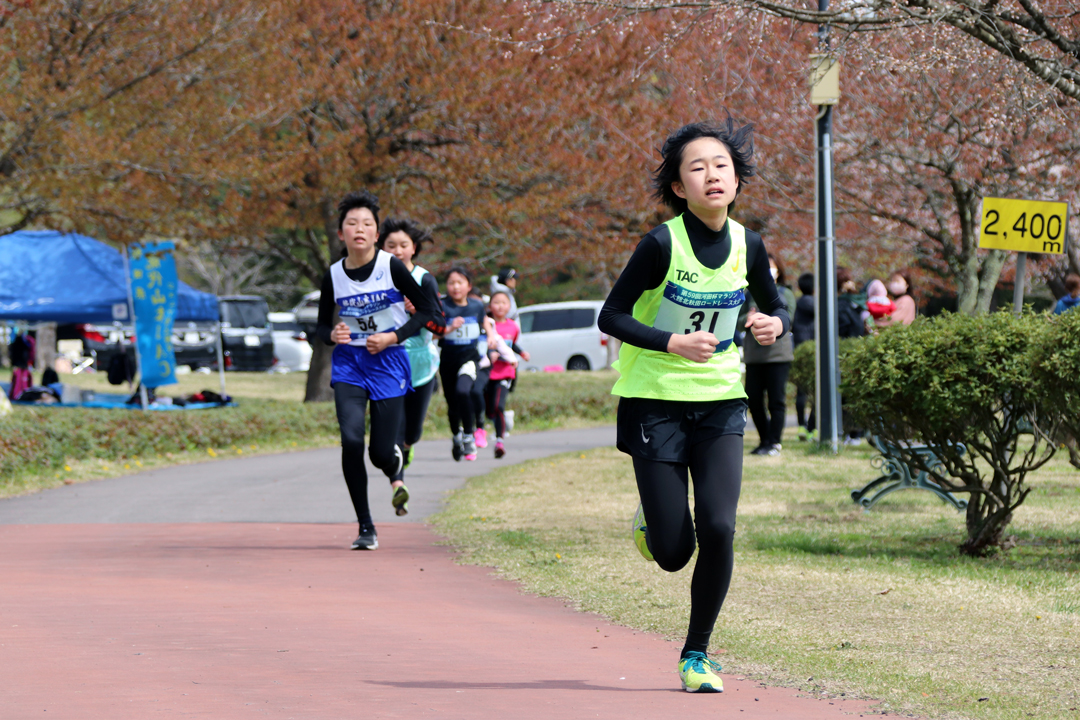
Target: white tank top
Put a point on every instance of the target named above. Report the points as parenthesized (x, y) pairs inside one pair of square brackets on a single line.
[(372, 306)]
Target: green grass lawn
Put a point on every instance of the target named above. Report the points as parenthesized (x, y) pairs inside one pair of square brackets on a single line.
[(825, 597), (42, 447)]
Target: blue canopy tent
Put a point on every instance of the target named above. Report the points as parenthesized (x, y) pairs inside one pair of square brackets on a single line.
[(48, 276)]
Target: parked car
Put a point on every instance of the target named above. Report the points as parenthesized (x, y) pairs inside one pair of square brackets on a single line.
[(291, 348), (193, 343), (245, 333), (307, 311), (563, 333)]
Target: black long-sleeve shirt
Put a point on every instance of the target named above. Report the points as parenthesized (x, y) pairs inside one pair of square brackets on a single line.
[(648, 267), (428, 314)]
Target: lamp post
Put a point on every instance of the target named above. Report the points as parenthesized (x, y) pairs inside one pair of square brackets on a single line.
[(825, 92)]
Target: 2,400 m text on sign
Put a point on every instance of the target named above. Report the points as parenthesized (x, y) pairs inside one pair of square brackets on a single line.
[(1030, 226)]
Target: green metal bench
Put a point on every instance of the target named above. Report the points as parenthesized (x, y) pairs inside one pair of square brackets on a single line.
[(898, 475)]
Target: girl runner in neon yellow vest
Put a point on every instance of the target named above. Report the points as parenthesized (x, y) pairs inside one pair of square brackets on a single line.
[(682, 410)]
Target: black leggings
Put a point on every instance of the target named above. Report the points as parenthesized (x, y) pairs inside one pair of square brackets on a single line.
[(800, 406), (716, 469), (771, 378), (495, 396), (387, 417), (416, 405), (457, 389), (479, 390)]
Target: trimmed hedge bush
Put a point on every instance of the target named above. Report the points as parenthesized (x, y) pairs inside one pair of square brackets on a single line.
[(982, 382), (38, 440)]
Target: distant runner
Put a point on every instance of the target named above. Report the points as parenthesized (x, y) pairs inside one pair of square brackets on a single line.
[(368, 288), (404, 239)]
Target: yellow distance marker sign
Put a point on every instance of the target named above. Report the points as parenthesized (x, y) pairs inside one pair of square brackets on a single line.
[(1030, 226)]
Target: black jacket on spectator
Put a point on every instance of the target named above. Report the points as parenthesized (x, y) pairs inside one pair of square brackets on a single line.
[(849, 320), (802, 322)]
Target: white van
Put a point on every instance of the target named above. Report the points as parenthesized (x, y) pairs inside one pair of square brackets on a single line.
[(563, 333)]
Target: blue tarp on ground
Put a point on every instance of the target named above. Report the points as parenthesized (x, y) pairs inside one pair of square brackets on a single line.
[(47, 276)]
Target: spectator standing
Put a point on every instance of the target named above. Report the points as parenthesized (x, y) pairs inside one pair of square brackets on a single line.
[(849, 307), (1072, 295), (767, 369), (899, 287), (802, 329), (506, 282)]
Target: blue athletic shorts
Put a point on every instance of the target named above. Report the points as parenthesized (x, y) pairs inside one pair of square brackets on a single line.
[(384, 375)]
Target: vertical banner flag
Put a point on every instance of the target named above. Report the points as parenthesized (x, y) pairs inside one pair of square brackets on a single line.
[(153, 293)]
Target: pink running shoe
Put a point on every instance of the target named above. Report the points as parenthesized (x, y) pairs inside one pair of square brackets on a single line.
[(481, 437), (499, 449)]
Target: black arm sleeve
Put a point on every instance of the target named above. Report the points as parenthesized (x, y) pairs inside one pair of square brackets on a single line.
[(326, 310), (430, 286), (646, 269), (516, 348), (762, 288), (426, 311)]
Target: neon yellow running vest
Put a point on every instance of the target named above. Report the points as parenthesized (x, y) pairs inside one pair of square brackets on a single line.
[(691, 298)]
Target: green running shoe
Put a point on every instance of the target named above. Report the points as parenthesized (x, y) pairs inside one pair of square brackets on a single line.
[(400, 501), (408, 458), (698, 673), (639, 533)]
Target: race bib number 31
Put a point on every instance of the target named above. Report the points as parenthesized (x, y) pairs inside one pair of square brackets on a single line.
[(686, 311)]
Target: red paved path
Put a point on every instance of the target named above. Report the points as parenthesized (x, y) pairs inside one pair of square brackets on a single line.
[(281, 621)]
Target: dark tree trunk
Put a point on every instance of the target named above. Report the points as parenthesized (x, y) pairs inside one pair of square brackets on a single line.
[(318, 379), (986, 523)]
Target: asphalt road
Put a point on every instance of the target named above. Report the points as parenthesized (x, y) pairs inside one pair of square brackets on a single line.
[(301, 487)]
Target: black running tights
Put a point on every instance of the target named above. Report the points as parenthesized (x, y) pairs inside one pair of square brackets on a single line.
[(495, 395), (458, 392), (416, 405), (716, 469), (386, 419), (479, 391), (768, 378)]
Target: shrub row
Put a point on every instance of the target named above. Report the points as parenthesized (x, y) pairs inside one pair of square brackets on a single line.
[(41, 440), (37, 440)]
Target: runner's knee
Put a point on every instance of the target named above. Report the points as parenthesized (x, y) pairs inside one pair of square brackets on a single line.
[(386, 457)]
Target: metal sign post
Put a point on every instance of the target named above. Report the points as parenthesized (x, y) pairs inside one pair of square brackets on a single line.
[(825, 92)]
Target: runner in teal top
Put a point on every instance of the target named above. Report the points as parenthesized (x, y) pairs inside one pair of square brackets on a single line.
[(403, 238)]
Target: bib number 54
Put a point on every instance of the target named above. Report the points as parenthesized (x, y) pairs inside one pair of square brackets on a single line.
[(367, 324)]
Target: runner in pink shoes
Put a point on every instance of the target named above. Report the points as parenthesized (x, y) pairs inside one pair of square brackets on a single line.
[(503, 371)]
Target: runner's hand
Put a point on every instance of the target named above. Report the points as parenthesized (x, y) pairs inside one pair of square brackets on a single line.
[(525, 355), (409, 307), (458, 322), (340, 334), (766, 328), (380, 341), (697, 346)]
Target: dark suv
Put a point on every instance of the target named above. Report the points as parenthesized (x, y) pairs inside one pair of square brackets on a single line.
[(246, 336)]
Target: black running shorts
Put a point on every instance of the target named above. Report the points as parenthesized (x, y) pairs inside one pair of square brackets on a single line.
[(665, 430)]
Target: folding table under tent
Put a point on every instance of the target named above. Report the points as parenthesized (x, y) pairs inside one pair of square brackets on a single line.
[(48, 276)]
